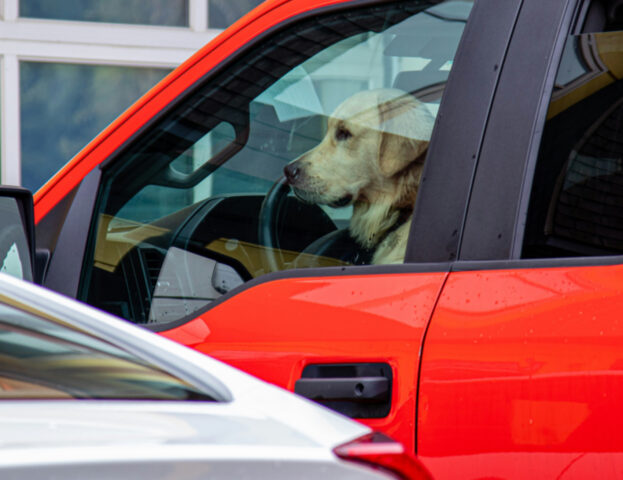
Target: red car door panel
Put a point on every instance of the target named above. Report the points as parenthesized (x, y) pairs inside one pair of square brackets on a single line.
[(524, 361), (274, 329)]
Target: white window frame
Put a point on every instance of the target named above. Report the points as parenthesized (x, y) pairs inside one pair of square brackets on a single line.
[(58, 41)]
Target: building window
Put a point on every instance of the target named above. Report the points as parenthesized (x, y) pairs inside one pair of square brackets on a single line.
[(70, 67), (173, 13), (222, 13), (63, 106)]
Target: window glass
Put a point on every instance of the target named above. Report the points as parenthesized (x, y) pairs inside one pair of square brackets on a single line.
[(147, 12), (343, 105), (44, 358), (14, 246), (222, 13), (63, 106), (576, 206)]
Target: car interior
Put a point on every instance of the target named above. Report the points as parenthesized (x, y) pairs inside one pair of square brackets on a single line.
[(204, 187), (576, 208)]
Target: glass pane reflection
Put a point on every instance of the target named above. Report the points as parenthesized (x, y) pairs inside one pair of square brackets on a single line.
[(63, 106), (172, 13), (222, 13)]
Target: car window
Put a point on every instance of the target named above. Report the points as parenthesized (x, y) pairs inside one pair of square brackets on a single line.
[(576, 205), (305, 152), (45, 358), (14, 246)]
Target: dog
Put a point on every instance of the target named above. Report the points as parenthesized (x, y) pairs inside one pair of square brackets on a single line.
[(372, 158)]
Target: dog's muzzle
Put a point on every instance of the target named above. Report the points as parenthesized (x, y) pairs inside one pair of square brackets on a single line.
[(293, 173)]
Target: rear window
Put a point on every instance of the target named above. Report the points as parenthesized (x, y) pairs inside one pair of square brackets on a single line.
[(45, 359)]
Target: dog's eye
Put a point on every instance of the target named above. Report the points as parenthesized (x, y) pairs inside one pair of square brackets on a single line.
[(342, 134)]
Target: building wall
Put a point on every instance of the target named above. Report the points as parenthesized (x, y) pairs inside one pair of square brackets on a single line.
[(70, 67)]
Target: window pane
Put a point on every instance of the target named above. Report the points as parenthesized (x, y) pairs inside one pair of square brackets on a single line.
[(44, 358), (222, 13), (189, 212), (576, 205), (14, 249), (148, 12), (64, 106)]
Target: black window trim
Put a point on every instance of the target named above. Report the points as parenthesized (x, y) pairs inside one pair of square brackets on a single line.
[(498, 204), (535, 263), (457, 138), (65, 268)]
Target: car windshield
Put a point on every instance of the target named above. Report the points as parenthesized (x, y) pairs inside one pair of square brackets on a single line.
[(48, 359)]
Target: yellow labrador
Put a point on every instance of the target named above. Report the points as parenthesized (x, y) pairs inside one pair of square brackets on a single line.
[(371, 157)]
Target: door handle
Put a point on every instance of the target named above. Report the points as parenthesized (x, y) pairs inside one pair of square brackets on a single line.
[(357, 390), (354, 389)]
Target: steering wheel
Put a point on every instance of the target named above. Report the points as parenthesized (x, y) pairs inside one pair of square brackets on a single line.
[(268, 225), (336, 244)]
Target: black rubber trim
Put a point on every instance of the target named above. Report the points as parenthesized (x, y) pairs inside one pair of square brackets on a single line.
[(364, 270), (66, 264), (234, 57), (455, 145), (514, 129), (469, 266)]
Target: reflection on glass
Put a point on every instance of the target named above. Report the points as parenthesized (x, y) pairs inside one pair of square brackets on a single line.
[(572, 65), (14, 248), (43, 358), (148, 12), (64, 106), (222, 13), (184, 215)]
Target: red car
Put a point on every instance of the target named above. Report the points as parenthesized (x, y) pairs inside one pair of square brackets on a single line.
[(495, 350)]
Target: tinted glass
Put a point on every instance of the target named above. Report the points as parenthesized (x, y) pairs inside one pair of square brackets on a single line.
[(576, 206), (43, 358), (64, 106), (198, 206), (148, 12), (222, 13)]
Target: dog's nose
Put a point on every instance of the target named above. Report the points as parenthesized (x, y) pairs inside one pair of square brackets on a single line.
[(292, 172)]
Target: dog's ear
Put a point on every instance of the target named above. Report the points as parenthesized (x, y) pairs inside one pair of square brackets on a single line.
[(406, 126)]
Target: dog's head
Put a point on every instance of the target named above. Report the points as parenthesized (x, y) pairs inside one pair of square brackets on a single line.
[(371, 137)]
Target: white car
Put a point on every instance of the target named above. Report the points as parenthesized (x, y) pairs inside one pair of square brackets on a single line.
[(87, 396)]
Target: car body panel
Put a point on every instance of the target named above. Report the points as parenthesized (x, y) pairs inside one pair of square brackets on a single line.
[(520, 362), (331, 320), (523, 360), (251, 428)]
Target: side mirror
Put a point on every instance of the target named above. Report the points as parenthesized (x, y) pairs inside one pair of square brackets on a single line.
[(17, 232)]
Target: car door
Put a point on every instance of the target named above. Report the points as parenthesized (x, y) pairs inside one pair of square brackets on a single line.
[(522, 361), (174, 218)]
